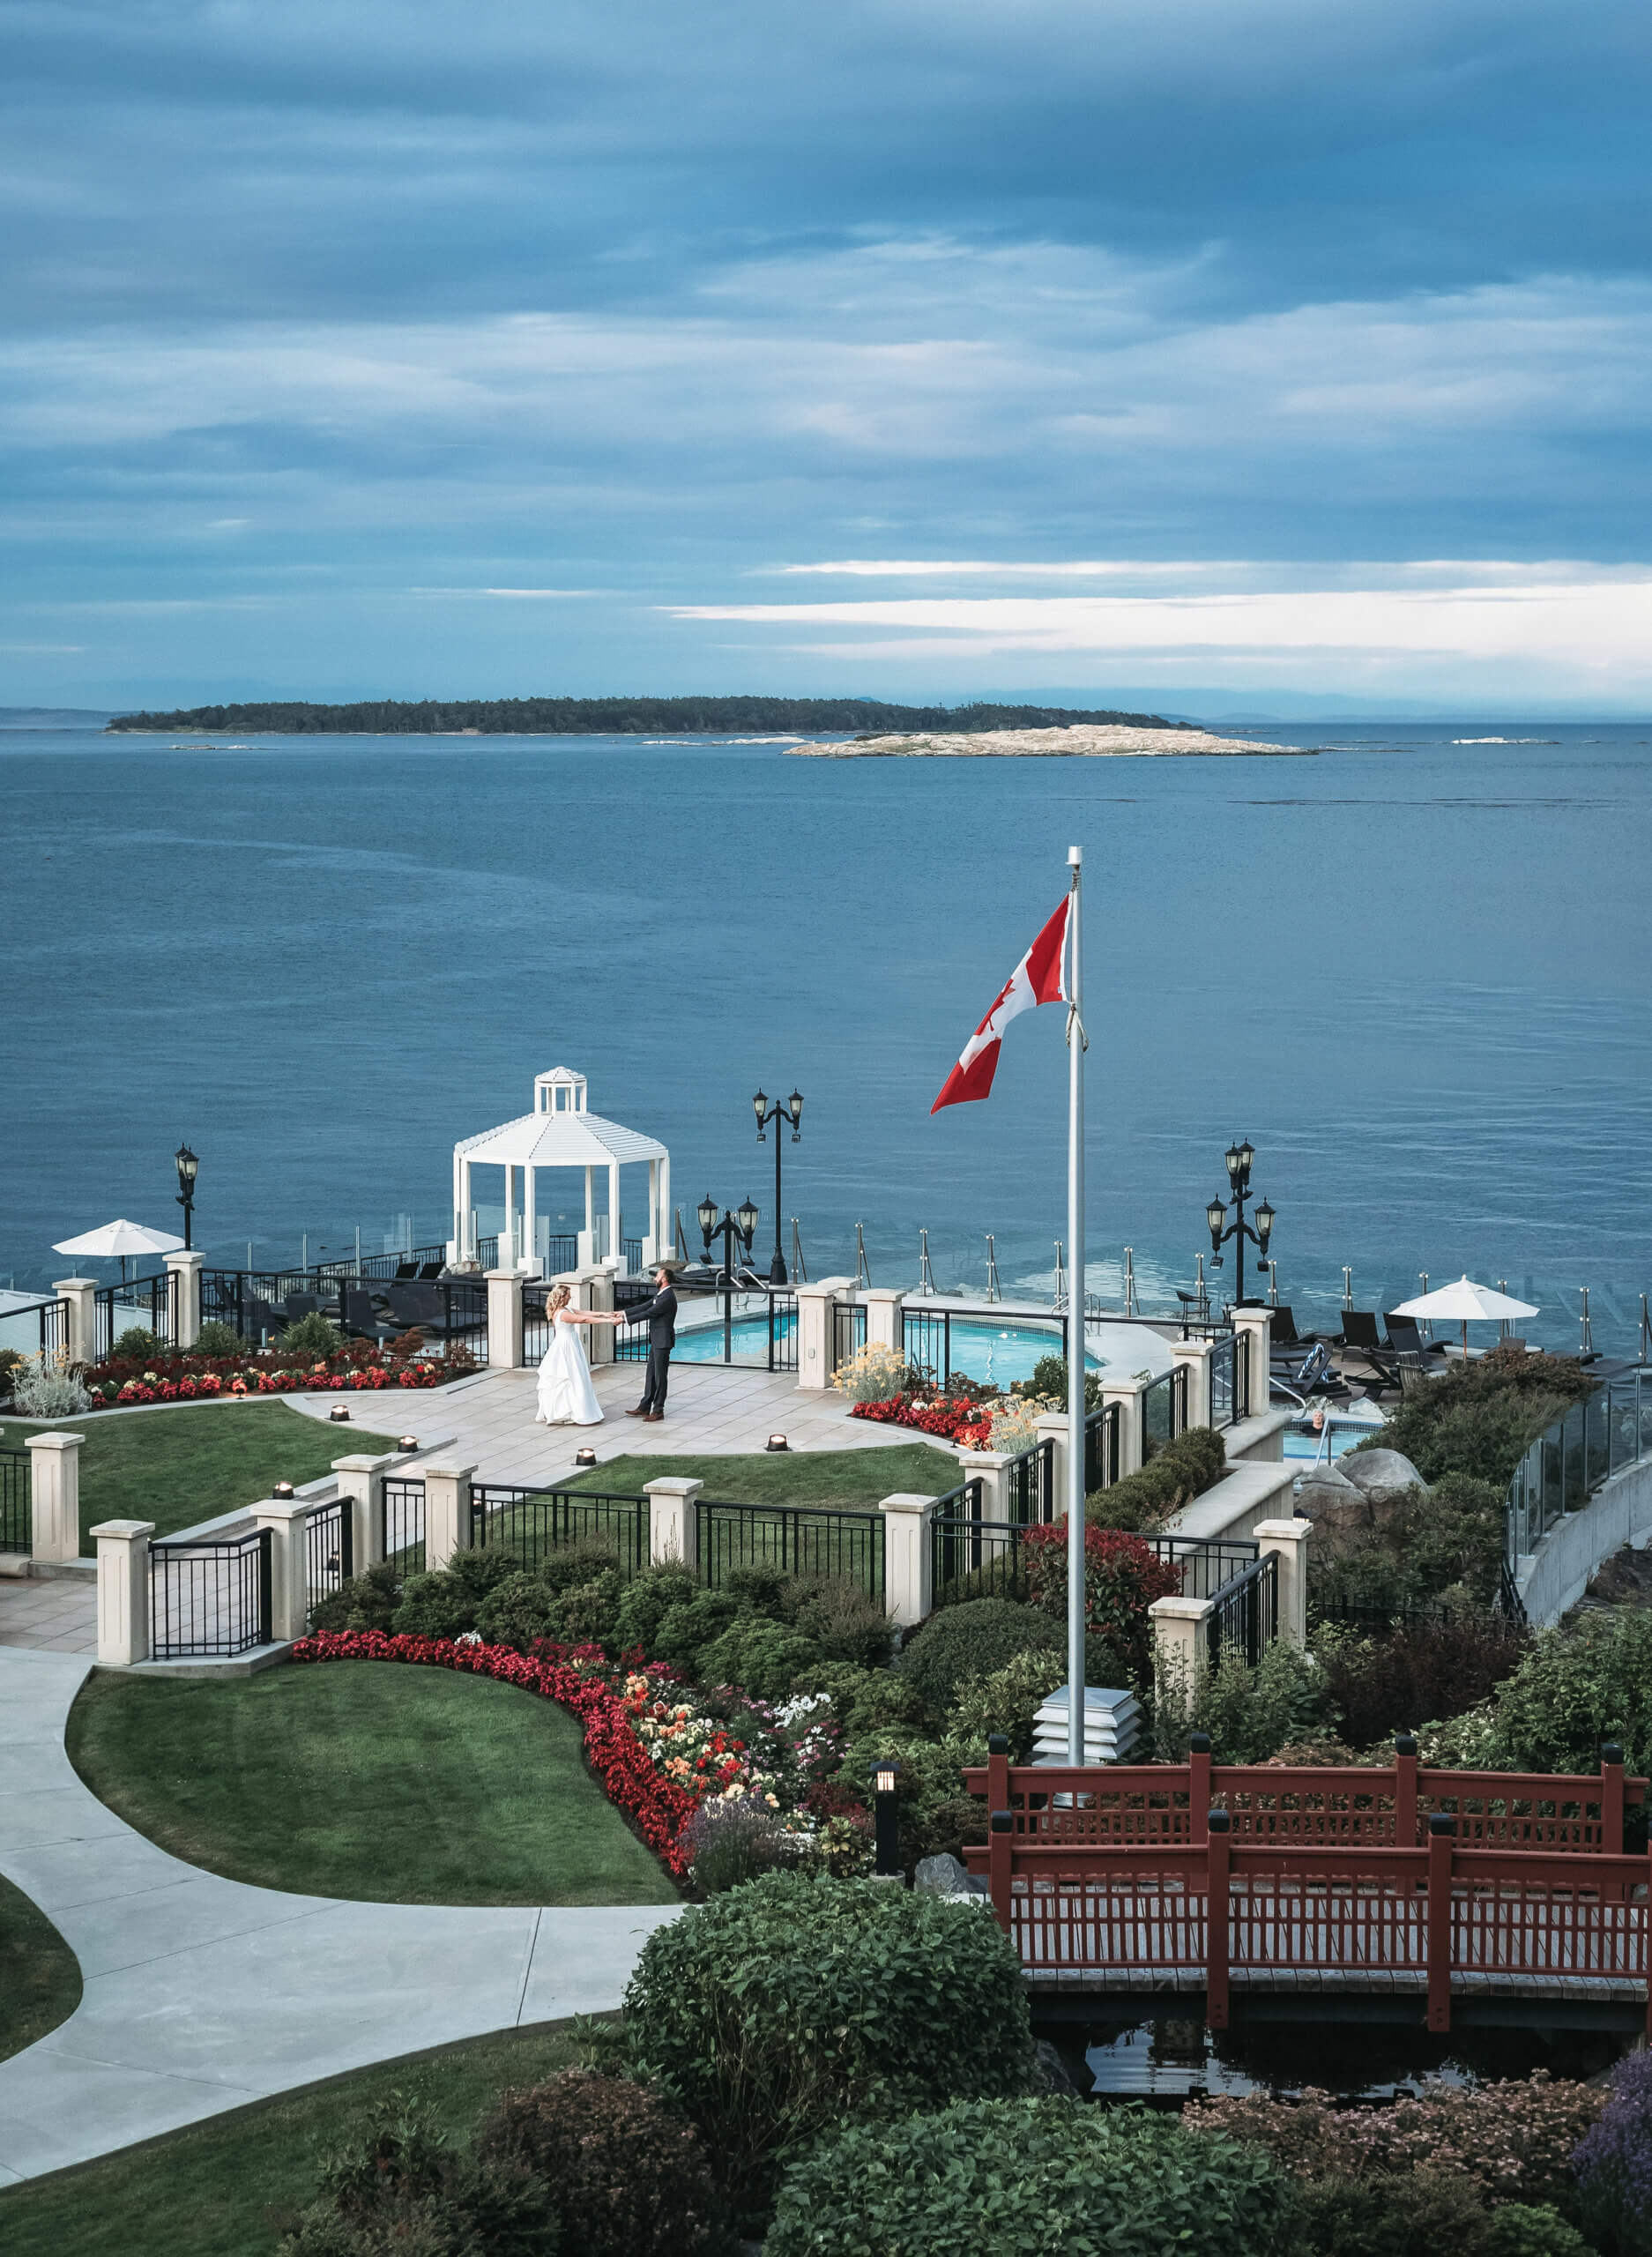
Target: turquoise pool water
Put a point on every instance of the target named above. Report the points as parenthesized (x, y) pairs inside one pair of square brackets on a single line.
[(1299, 1444), (979, 1349)]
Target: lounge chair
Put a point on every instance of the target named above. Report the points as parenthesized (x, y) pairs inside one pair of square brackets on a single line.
[(260, 1319), (428, 1270), (406, 1270), (1405, 1338), (1295, 1379), (1360, 1334), (1285, 1333), (360, 1319)]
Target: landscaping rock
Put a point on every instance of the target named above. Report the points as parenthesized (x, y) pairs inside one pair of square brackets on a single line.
[(1051, 2070), (945, 1876), (1332, 1501), (1380, 1474)]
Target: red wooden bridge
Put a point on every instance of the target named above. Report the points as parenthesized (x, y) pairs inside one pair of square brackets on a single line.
[(1275, 1881)]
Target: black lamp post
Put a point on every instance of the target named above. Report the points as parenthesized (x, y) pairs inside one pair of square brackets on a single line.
[(735, 1230), (188, 1167), (784, 1109), (1240, 1160), (885, 1826)]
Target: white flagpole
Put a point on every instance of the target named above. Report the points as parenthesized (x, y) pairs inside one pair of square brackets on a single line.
[(1075, 1712)]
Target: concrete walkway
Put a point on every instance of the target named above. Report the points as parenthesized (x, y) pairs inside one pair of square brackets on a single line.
[(712, 1410), (202, 1994)]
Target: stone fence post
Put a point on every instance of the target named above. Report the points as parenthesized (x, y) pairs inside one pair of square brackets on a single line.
[(593, 1288), (1126, 1393), (674, 1525), (885, 1325), (1256, 1325), (817, 1330), (908, 1558), (504, 1319), (361, 1481), (447, 1513), (1195, 1354), (1054, 1426), (987, 1466), (1181, 1652), (123, 1592), (81, 1295), (1288, 1539), (55, 1495), (285, 1517), (184, 1270)]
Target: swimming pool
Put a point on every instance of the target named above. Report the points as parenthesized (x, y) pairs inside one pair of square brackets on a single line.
[(1303, 1443), (974, 1346)]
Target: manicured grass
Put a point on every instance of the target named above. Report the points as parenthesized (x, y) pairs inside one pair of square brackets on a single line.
[(39, 1976), (370, 1780), (812, 1477), (228, 2187), (192, 1461)]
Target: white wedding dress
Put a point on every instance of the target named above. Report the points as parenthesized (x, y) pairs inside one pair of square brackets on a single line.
[(566, 1396)]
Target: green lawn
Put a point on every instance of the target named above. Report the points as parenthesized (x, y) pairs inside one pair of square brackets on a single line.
[(189, 1462), (363, 1779), (39, 1976), (813, 1477), (229, 2186)]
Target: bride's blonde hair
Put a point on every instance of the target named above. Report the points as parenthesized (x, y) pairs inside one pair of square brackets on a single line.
[(560, 1295)]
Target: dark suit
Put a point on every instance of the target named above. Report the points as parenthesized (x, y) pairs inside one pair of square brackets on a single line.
[(660, 1316)]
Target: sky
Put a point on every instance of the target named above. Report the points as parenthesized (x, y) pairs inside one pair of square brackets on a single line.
[(1216, 352)]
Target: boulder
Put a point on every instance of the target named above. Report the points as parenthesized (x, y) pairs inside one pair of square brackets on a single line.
[(946, 1876), (1380, 1474), (1331, 1501)]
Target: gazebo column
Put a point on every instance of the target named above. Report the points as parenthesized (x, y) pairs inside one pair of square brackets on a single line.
[(664, 1243), (456, 1244), (588, 1236), (529, 1215), (650, 1244), (614, 1210)]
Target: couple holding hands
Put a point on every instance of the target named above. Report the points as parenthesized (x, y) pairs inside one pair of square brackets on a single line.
[(566, 1395)]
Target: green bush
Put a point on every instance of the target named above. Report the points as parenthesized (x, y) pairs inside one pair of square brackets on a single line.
[(773, 2013), (1250, 1714), (1176, 1474), (1027, 2177), (761, 1656), (1531, 2230), (1572, 1689), (312, 1339), (1008, 1699), (136, 1343), (972, 1639), (845, 1624), (573, 1597), (1477, 1417), (1048, 1384), (626, 2174), (365, 1602), (442, 1604), (403, 2191), (1395, 1681), (649, 1597), (217, 1338), (1431, 1541), (1416, 2213)]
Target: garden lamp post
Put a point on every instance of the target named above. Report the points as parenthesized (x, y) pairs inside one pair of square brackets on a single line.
[(784, 1110), (1241, 1158), (886, 1833), (188, 1166), (734, 1230)]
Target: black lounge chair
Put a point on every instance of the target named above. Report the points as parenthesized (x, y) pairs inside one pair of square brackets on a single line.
[(298, 1305), (260, 1319), (427, 1269), (1285, 1333), (360, 1318), (406, 1270), (1405, 1338), (428, 1308), (1360, 1334), (1296, 1378)]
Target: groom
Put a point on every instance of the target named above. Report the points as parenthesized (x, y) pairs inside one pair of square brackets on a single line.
[(660, 1316)]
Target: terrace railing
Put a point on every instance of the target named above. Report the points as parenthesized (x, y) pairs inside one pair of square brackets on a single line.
[(1245, 1618), (1101, 1449), (1029, 1485), (849, 1331), (1230, 1379), (209, 1599), (758, 1330), (534, 1523), (149, 1304), (402, 1525), (329, 1541), (47, 1319), (1164, 1409), (1574, 1458), (17, 1522), (796, 1539)]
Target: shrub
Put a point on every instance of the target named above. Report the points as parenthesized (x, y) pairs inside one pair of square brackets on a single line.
[(1399, 1679), (136, 1343), (1417, 2216), (1572, 1689), (1123, 1575), (626, 2174), (970, 1640), (733, 1838), (44, 1387), (844, 1623), (214, 1338), (1250, 1714), (1048, 1384), (773, 2012), (1478, 1418), (872, 1374), (315, 1338), (573, 1597), (693, 1622), (761, 1655), (403, 2191), (442, 1604), (648, 1598), (1613, 2162), (1008, 1699), (1016, 2178), (365, 1602), (1530, 2230), (1177, 1473)]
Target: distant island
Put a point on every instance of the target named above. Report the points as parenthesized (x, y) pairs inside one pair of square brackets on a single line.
[(1074, 740), (607, 717)]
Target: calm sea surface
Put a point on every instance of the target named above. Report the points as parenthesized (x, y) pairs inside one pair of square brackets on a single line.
[(1414, 972)]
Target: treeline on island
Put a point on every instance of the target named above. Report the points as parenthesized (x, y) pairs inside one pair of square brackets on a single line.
[(587, 717)]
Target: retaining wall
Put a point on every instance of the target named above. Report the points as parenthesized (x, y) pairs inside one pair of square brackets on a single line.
[(1557, 1574)]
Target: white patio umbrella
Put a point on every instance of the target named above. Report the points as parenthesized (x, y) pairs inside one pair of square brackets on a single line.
[(1465, 1303), (121, 1239)]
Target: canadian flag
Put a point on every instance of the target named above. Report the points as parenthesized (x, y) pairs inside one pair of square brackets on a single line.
[(1039, 978)]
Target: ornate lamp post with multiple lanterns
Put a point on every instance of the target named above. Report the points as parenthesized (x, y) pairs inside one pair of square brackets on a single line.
[(1240, 1160), (787, 1111)]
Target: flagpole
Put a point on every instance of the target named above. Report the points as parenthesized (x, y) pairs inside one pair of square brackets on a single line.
[(1075, 1711)]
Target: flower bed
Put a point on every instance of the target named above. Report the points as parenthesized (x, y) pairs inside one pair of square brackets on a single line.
[(191, 1379), (952, 1419)]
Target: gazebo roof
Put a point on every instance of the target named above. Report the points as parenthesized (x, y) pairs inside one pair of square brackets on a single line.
[(552, 1136)]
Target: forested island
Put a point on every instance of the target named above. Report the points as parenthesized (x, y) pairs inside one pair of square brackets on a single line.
[(623, 716)]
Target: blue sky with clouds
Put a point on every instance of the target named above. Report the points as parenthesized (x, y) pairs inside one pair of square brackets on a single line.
[(1218, 350)]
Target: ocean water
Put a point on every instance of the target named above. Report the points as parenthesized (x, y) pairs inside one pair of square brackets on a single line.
[(1414, 970)]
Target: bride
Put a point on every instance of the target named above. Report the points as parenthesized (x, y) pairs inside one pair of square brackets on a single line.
[(566, 1395)]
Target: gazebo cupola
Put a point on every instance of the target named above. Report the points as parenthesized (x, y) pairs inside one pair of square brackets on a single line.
[(561, 1132)]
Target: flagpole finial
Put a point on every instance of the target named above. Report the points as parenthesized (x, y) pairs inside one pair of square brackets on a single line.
[(1074, 856)]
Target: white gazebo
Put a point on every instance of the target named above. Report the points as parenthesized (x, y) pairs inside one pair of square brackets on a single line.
[(560, 1132)]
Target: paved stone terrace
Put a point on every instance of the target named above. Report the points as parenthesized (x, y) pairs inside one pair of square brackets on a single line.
[(58, 1616), (203, 1993)]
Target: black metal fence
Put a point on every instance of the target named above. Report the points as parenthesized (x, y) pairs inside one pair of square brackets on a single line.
[(143, 1304), (849, 1332), (402, 1525), (17, 1523), (1101, 1449), (758, 1331), (795, 1539), (1246, 1619), (1164, 1409), (209, 1598), (51, 1320), (1207, 1564), (926, 1340), (969, 1556), (260, 1304), (533, 1523), (329, 1548), (1029, 1485)]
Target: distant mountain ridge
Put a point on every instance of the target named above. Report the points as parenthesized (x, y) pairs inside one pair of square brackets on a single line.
[(584, 717), (52, 717)]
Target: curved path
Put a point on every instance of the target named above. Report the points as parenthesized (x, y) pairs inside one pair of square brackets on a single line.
[(203, 1993)]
